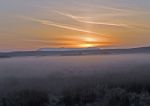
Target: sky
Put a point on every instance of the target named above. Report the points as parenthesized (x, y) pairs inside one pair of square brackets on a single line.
[(33, 24)]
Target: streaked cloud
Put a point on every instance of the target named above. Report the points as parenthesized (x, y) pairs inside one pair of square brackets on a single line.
[(118, 7), (84, 20), (68, 23), (87, 21), (114, 9), (50, 23)]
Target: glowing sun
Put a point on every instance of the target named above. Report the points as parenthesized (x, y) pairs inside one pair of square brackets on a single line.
[(88, 39), (86, 45), (88, 42)]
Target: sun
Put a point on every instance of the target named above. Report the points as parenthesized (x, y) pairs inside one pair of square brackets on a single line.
[(86, 45), (89, 39), (87, 42)]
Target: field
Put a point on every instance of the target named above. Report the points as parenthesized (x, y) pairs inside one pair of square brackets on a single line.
[(95, 80)]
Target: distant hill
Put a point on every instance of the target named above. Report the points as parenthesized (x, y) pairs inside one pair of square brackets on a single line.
[(68, 49), (128, 50), (76, 51)]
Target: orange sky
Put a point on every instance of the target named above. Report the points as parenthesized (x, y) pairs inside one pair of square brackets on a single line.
[(26, 25)]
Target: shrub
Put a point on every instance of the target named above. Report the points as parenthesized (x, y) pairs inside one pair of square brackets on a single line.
[(26, 98)]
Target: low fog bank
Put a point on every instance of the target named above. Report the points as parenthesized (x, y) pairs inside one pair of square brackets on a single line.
[(65, 71), (67, 74)]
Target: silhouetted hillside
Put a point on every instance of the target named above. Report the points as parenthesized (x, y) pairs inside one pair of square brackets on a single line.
[(87, 51)]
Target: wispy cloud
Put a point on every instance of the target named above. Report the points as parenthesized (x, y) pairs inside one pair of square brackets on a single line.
[(38, 41), (87, 21), (84, 20), (125, 10), (106, 24), (50, 23), (48, 42), (114, 8)]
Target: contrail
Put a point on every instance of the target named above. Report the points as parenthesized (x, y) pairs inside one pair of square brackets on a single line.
[(71, 16), (107, 24), (67, 27), (110, 8), (50, 23), (115, 9), (91, 22), (81, 19)]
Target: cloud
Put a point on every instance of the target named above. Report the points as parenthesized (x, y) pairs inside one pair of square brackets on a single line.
[(87, 21), (37, 40), (128, 10), (50, 23), (48, 42), (112, 8), (83, 20), (107, 24)]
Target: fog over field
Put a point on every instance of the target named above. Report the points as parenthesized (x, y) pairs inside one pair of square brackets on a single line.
[(57, 74), (111, 68), (38, 67)]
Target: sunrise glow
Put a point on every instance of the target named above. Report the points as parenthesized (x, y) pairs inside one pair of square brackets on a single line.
[(82, 23), (88, 39), (86, 45)]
